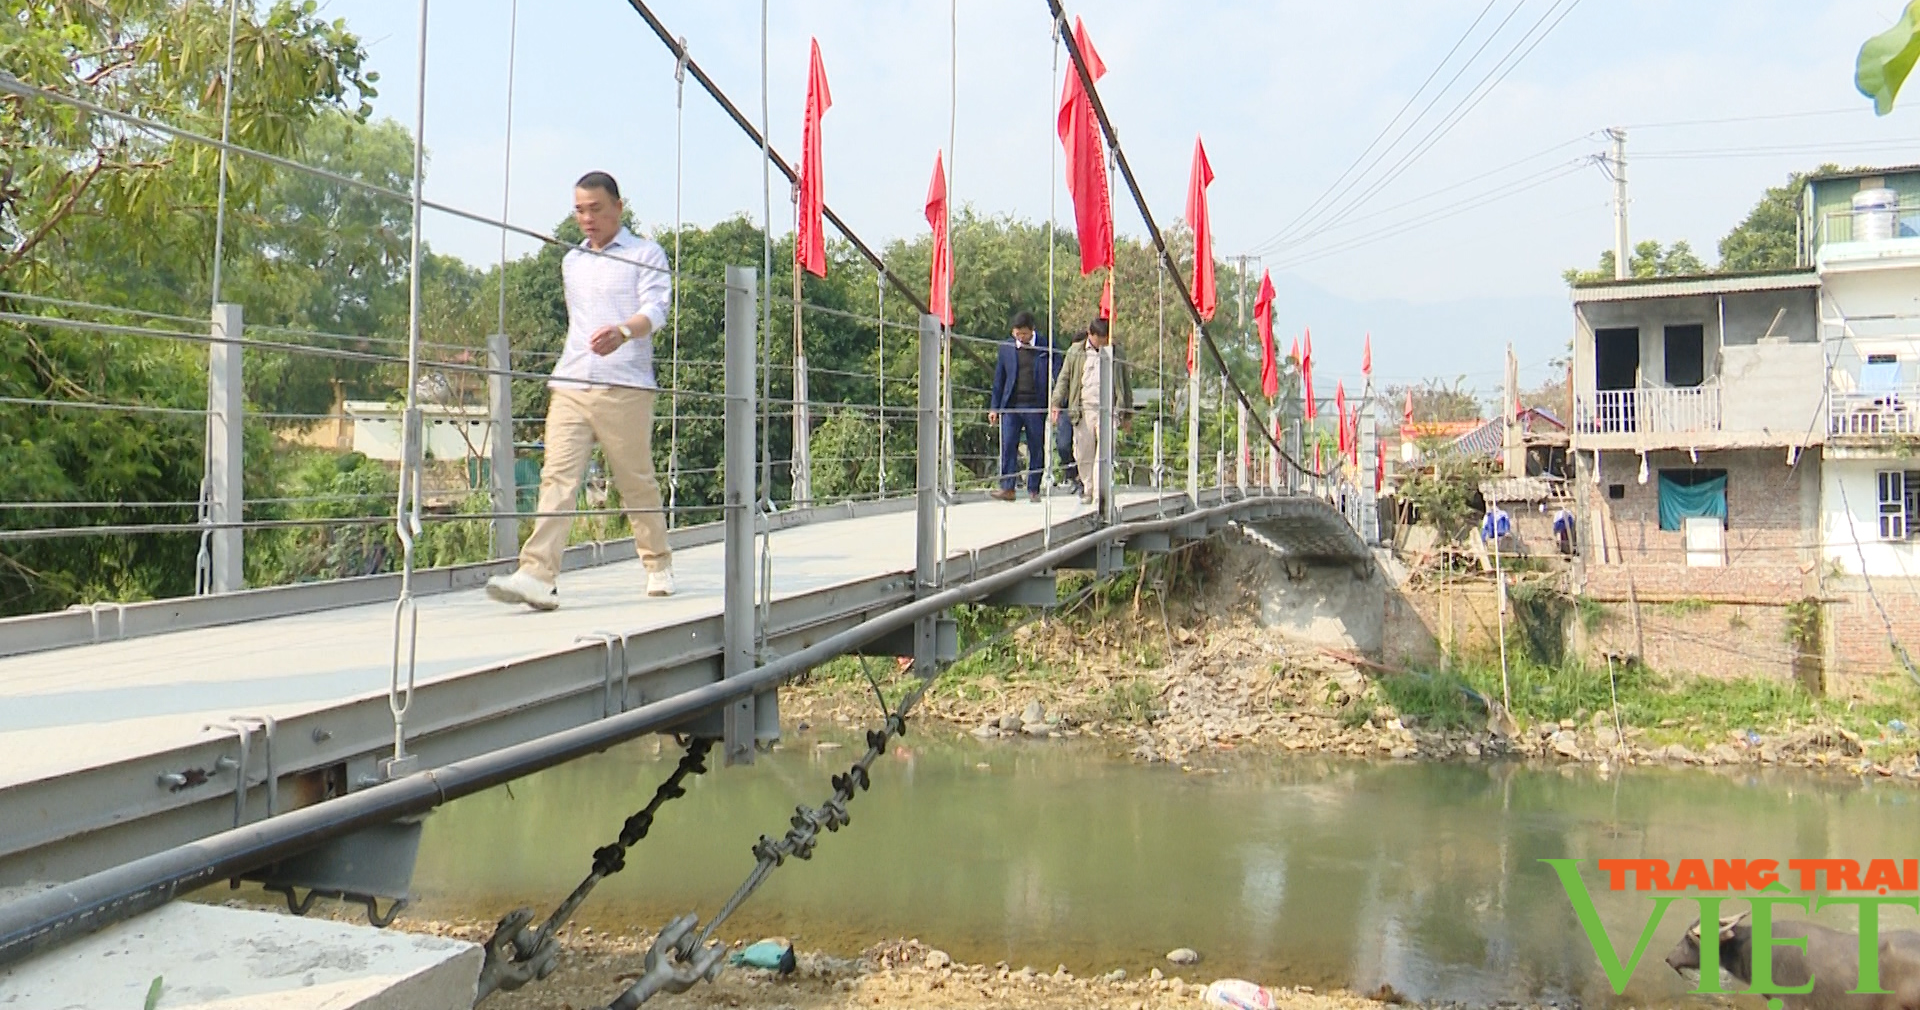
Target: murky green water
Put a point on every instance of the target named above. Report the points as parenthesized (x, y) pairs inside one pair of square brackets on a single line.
[(1302, 871)]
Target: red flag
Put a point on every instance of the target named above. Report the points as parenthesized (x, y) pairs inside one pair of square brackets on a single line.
[(1406, 414), (1263, 315), (938, 302), (1204, 295), (1379, 472), (1340, 413), (1306, 376), (1193, 342), (1106, 298), (1366, 357), (809, 239), (1086, 159)]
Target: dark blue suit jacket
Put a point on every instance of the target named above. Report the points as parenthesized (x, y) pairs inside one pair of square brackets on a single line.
[(1046, 365)]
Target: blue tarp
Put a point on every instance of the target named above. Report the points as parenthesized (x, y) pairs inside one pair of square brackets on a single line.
[(1679, 502)]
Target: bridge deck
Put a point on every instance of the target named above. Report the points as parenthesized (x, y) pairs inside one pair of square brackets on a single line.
[(87, 730)]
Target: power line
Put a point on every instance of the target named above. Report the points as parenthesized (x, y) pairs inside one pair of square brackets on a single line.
[(1488, 83), (1311, 207)]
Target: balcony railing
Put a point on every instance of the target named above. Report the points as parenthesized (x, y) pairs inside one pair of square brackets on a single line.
[(1871, 225), (1882, 413), (1654, 411)]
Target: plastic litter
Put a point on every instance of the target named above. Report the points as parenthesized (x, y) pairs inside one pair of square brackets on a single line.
[(1238, 994), (772, 955)]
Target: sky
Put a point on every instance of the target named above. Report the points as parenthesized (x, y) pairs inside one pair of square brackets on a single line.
[(1420, 170)]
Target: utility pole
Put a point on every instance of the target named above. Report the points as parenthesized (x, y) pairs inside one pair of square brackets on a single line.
[(1616, 166)]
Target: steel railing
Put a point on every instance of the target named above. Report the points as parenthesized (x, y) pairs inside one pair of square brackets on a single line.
[(1652, 411), (1886, 412)]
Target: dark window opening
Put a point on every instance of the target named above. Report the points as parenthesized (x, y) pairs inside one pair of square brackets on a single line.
[(1686, 355), (1616, 374), (1616, 492)]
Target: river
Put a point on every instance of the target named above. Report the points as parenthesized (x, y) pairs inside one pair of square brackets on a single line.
[(1286, 870)]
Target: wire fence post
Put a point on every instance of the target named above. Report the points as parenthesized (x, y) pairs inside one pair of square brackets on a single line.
[(506, 523), (225, 405), (926, 554), (738, 724)]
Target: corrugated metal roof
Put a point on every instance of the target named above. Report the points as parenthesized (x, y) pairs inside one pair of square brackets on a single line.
[(1703, 284), (1864, 173)]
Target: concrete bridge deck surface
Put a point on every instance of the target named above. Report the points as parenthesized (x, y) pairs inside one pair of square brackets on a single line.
[(87, 731)]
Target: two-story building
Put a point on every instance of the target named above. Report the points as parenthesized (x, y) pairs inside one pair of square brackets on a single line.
[(1860, 231), (1754, 439)]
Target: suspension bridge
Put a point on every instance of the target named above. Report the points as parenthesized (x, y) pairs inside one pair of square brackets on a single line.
[(295, 735)]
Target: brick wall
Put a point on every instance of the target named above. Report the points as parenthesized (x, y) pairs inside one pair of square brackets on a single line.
[(1722, 641), (1857, 652), (1772, 513)]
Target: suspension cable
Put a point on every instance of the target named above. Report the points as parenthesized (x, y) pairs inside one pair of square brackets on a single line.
[(406, 521), (679, 162)]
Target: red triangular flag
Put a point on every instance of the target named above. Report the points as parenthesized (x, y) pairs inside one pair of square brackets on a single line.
[(809, 239), (1306, 375), (1086, 160), (1406, 415), (1366, 357), (1340, 413), (939, 302), (1263, 315), (1205, 297)]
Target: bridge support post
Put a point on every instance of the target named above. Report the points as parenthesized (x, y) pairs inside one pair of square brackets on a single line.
[(506, 523), (1108, 441), (1369, 468), (926, 552), (739, 721), (1193, 431), (225, 453), (1240, 460)]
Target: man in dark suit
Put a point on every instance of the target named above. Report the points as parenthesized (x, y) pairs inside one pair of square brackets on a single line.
[(1022, 375)]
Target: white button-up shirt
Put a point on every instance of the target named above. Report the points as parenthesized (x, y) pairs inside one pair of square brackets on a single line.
[(606, 288)]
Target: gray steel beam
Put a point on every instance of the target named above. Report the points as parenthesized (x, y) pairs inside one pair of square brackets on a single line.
[(1150, 543), (226, 455), (506, 527), (1041, 592), (926, 555), (903, 643), (738, 723)]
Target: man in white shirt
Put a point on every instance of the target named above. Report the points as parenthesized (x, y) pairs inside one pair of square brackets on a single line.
[(619, 290)]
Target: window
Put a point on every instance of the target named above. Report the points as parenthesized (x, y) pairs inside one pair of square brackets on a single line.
[(1686, 354), (1899, 503), (1686, 494), (1617, 492)]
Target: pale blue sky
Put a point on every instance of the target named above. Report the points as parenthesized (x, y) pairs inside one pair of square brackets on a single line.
[(1287, 95)]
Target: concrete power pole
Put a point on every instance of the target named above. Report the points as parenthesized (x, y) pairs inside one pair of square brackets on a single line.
[(1617, 168)]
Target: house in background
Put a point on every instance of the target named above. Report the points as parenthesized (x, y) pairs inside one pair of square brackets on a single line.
[(1860, 231), (1696, 402)]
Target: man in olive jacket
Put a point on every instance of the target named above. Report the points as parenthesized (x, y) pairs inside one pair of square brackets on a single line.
[(1077, 391)]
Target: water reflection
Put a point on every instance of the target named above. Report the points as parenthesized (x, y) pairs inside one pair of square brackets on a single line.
[(1298, 871)]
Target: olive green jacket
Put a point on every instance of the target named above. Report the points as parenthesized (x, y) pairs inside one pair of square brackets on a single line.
[(1066, 387)]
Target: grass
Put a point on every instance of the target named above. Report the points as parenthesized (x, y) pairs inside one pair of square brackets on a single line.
[(1693, 710)]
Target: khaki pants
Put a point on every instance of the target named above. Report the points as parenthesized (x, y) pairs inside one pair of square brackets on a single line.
[(1086, 448), (621, 420)]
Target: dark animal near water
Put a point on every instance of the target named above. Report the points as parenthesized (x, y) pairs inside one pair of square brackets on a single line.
[(1831, 959)]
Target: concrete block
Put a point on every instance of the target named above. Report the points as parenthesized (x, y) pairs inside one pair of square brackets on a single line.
[(210, 957)]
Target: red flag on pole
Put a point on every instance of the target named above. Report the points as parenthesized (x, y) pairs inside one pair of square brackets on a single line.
[(1263, 315), (1193, 349), (1366, 357), (1306, 375), (1205, 297), (1086, 160), (810, 240), (1106, 298), (1406, 413), (938, 301), (1340, 413)]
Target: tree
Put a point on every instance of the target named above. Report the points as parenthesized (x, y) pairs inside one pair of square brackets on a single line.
[(1436, 401), (1649, 260), (1886, 59)]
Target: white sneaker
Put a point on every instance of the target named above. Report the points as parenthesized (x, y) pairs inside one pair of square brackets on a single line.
[(521, 587), (660, 583)]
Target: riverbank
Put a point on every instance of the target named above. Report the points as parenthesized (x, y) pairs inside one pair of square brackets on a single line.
[(1195, 674), (595, 967)]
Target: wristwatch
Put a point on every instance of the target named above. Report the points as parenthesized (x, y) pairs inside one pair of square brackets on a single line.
[(626, 333)]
